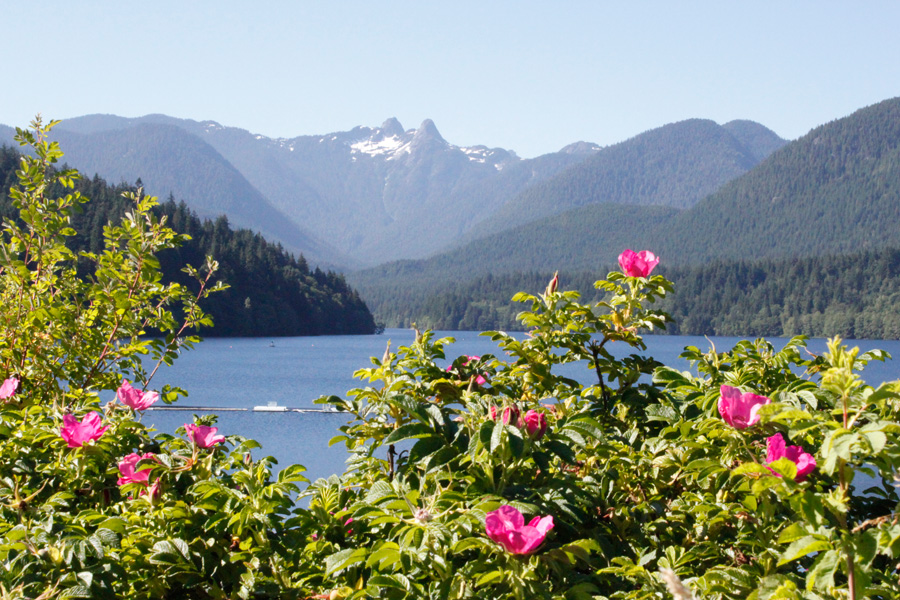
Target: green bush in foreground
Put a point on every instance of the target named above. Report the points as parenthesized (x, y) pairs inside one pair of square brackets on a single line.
[(767, 475)]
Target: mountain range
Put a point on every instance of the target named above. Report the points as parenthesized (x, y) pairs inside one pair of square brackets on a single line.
[(373, 194), (834, 191)]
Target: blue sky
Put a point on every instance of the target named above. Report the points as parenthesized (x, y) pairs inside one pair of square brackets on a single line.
[(528, 76)]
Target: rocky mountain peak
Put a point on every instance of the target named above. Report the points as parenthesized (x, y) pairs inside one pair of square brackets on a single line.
[(580, 148), (392, 127), (428, 130)]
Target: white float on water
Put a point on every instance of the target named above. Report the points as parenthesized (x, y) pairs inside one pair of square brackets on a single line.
[(270, 407)]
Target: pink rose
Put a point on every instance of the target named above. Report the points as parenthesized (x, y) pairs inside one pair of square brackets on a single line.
[(135, 398), (535, 424), (479, 379), (8, 389), (510, 414), (637, 264), (776, 448), (127, 466), (740, 410), (76, 433), (507, 527), (203, 436)]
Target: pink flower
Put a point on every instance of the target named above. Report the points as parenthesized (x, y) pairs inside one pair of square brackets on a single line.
[(8, 389), (135, 398), (479, 379), (776, 448), (510, 414), (153, 490), (740, 410), (535, 424), (203, 435), (506, 526), (637, 264), (127, 466), (76, 433)]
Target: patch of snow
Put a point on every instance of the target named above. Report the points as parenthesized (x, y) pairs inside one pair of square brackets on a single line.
[(389, 147)]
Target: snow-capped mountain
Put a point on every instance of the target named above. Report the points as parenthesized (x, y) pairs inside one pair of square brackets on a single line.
[(373, 194), (368, 195)]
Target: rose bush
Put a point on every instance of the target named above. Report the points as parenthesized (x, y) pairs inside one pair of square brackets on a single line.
[(646, 481)]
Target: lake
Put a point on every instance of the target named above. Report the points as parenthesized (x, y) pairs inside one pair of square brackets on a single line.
[(246, 372)]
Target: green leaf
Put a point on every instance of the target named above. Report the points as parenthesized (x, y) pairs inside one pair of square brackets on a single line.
[(410, 430), (561, 450), (804, 546), (387, 554), (669, 376), (343, 559), (489, 577), (497, 435), (793, 532), (379, 490), (751, 468), (821, 575), (784, 467)]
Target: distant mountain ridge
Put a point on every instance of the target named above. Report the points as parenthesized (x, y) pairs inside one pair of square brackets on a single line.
[(373, 194), (834, 191), (351, 193), (675, 165)]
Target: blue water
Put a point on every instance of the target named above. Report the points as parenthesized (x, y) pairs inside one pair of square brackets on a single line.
[(241, 372)]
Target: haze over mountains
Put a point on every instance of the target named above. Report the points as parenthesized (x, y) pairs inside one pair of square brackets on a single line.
[(835, 191), (373, 194), (439, 221)]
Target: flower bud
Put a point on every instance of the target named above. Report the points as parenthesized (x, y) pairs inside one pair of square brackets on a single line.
[(422, 516), (535, 424), (553, 285), (510, 414)]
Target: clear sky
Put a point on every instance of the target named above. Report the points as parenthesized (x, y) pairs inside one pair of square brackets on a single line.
[(527, 76)]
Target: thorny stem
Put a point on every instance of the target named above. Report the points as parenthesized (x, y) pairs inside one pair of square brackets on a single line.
[(595, 353)]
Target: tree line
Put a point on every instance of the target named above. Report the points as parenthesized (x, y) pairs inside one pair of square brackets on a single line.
[(854, 296)]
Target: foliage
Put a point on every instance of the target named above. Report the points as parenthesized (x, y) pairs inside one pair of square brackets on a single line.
[(646, 486)]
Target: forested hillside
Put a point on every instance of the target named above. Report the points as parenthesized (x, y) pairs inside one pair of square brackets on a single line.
[(833, 191), (580, 239), (854, 295), (675, 165), (272, 293)]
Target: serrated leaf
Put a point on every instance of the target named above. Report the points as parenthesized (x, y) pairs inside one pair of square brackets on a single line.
[(802, 547), (379, 490), (497, 435), (410, 430), (387, 554), (793, 532), (751, 468), (784, 467), (343, 559), (489, 577)]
